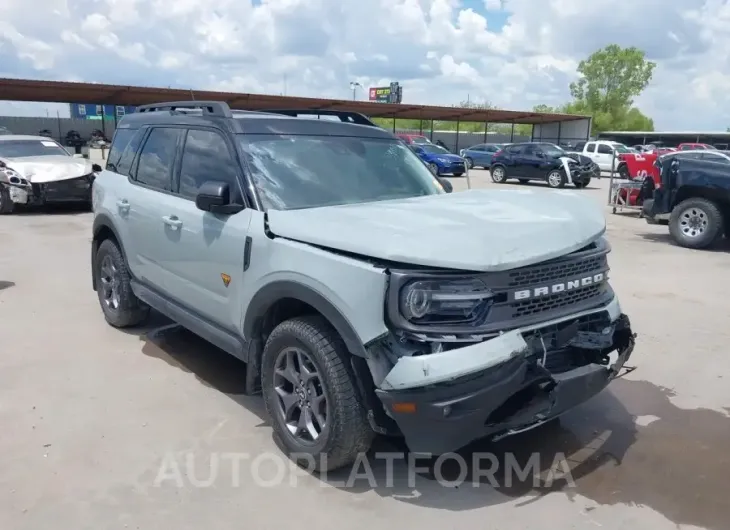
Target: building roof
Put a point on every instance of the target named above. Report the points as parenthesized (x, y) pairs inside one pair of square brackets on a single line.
[(66, 92)]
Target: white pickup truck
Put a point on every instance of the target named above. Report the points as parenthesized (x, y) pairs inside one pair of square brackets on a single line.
[(602, 153)]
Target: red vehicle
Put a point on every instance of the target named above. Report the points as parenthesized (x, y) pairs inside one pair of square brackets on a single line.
[(414, 139), (694, 147)]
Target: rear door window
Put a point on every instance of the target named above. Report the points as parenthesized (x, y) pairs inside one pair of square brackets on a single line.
[(157, 158), (590, 147)]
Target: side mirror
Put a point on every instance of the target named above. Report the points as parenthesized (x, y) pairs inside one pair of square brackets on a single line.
[(448, 188), (215, 197)]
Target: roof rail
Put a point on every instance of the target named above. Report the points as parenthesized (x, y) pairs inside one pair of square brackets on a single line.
[(212, 108), (344, 115)]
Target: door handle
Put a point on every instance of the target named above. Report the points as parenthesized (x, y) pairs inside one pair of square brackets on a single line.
[(123, 205), (172, 221)]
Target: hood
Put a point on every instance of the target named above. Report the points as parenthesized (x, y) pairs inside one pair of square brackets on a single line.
[(582, 159), (448, 156), (477, 230), (38, 169)]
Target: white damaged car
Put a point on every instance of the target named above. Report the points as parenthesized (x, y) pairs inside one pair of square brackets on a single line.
[(35, 170)]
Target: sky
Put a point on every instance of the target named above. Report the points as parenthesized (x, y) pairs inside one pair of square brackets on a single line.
[(513, 54)]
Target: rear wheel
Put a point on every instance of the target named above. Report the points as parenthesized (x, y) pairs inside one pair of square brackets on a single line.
[(469, 163), (556, 179), (696, 223), (120, 305), (498, 174), (311, 397)]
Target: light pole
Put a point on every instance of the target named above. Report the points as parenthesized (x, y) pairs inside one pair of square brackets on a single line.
[(354, 86)]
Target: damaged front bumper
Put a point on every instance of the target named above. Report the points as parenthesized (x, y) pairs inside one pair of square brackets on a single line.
[(511, 383), (22, 191)]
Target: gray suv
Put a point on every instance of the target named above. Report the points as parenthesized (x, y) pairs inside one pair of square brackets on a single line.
[(362, 296)]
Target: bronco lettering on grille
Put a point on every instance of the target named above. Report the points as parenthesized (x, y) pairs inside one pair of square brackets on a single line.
[(556, 288)]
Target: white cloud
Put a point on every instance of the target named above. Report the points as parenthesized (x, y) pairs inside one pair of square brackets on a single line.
[(513, 53)]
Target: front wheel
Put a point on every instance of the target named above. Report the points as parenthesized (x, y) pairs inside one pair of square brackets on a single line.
[(498, 174), (434, 168), (458, 174), (696, 223), (311, 396), (623, 172), (556, 179), (469, 163)]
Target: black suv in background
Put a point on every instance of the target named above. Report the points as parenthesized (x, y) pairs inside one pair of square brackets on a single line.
[(541, 161)]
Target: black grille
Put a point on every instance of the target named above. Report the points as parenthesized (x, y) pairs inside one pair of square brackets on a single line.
[(557, 271), (556, 301)]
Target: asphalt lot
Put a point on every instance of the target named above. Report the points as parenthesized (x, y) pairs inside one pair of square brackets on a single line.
[(95, 421)]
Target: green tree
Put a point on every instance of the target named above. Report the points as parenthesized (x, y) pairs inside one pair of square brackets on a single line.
[(611, 78)]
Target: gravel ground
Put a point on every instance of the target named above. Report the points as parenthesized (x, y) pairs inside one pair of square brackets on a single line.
[(104, 429)]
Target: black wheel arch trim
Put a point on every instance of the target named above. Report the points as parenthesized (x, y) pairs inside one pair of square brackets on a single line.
[(102, 221), (268, 295)]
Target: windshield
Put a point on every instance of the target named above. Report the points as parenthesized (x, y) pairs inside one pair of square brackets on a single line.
[(552, 150), (435, 149), (293, 171), (420, 140), (25, 148), (621, 148)]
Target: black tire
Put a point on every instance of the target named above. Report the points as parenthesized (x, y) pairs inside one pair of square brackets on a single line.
[(347, 432), (6, 205), (583, 184), (434, 169), (623, 172), (707, 214), (469, 162), (130, 311), (524, 181), (555, 178), (458, 174), (498, 174)]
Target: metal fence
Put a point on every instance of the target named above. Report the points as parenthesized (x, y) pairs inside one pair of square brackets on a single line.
[(58, 126), (465, 139)]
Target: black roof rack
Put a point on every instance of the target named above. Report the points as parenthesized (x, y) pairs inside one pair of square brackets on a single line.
[(344, 115), (211, 108)]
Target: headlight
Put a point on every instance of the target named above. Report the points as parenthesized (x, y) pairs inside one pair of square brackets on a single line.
[(442, 160), (444, 301)]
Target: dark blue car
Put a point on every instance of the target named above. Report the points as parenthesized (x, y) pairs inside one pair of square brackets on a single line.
[(480, 155), (439, 160)]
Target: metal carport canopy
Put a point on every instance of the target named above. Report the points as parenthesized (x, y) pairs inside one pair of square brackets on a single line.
[(93, 93)]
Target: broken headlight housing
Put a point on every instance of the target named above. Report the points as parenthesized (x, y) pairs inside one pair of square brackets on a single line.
[(444, 301)]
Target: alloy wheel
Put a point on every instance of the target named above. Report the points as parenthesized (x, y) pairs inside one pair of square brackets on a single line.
[(301, 396), (110, 283)]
